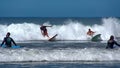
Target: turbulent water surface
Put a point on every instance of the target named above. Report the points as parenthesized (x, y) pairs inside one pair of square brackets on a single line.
[(72, 48)]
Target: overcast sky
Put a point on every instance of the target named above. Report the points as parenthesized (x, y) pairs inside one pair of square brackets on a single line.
[(59, 8)]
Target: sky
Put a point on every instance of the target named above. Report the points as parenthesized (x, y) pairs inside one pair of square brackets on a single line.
[(59, 8)]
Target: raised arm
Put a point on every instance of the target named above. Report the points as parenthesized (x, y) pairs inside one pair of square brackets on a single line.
[(48, 26)]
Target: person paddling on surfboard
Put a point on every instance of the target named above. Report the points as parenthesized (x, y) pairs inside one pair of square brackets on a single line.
[(90, 33), (44, 30), (111, 42), (8, 40)]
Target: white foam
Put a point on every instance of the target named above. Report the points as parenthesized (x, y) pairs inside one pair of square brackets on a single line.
[(91, 54), (73, 30)]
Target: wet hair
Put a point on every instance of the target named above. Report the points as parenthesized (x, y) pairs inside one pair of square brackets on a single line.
[(8, 33), (89, 29), (111, 37)]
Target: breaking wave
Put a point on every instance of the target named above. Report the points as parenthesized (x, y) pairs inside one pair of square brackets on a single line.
[(71, 30)]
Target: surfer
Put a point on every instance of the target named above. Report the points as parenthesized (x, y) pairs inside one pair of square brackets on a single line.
[(44, 30), (8, 40), (111, 42), (90, 33)]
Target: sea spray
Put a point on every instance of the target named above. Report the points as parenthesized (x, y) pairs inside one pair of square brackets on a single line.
[(71, 30)]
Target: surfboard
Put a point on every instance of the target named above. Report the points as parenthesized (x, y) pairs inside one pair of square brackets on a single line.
[(96, 38), (52, 38), (13, 46)]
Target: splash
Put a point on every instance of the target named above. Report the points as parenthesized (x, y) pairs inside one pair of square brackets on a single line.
[(71, 30)]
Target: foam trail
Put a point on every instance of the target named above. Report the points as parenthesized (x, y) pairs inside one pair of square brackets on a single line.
[(73, 30)]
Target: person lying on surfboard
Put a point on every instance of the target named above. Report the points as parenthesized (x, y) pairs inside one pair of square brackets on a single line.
[(90, 33), (44, 30), (8, 40), (111, 42)]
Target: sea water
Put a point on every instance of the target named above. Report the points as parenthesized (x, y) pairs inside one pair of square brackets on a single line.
[(72, 48)]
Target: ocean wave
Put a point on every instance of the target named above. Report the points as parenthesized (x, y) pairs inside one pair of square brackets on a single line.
[(71, 30)]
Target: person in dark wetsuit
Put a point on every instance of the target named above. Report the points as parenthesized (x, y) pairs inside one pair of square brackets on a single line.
[(44, 30), (111, 43), (8, 40)]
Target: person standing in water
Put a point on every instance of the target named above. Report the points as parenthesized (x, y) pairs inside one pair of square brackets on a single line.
[(8, 40), (90, 33), (44, 30), (111, 43)]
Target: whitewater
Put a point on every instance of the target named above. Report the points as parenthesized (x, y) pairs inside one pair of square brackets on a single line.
[(69, 30), (60, 51), (71, 45)]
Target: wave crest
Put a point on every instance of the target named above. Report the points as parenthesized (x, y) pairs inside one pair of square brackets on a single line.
[(73, 30)]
